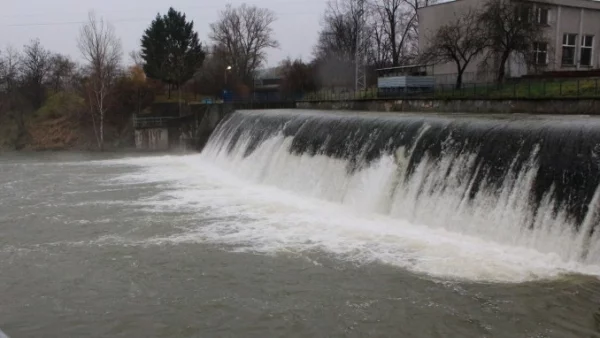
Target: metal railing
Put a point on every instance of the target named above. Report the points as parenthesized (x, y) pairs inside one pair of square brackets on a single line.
[(513, 89), (151, 122), (522, 89)]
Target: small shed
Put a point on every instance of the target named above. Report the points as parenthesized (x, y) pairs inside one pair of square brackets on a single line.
[(267, 83), (405, 79)]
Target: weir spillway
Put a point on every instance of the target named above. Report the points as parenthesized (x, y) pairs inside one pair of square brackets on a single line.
[(527, 181)]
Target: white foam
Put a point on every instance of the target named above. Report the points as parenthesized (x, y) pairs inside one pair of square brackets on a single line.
[(274, 202)]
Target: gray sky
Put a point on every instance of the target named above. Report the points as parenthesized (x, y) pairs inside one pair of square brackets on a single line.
[(56, 22)]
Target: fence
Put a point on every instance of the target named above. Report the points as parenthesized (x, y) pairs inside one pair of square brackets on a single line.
[(515, 89), (524, 88), (151, 122)]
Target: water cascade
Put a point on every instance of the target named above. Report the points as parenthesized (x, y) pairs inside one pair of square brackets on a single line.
[(523, 181)]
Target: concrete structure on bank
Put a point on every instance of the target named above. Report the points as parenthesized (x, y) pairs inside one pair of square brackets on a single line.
[(191, 132), (570, 106), (152, 139), (267, 84), (572, 28)]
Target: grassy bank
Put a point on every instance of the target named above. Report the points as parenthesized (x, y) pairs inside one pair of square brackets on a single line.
[(62, 123), (516, 89)]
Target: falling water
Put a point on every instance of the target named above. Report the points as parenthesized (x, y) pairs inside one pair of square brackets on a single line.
[(528, 182)]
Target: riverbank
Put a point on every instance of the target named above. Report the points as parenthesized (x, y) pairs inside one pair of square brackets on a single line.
[(556, 106), (62, 128), (58, 131)]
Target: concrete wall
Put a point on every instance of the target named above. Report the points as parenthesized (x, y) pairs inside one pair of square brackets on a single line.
[(562, 106), (191, 131), (196, 128), (152, 139)]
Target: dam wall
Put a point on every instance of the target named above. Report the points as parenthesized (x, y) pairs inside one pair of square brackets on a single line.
[(564, 106), (192, 131), (524, 181)]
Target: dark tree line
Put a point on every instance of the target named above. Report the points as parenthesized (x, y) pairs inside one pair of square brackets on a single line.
[(172, 53), (27, 78), (107, 92), (388, 37), (37, 84)]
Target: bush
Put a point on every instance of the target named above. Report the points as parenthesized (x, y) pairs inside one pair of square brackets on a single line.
[(59, 105)]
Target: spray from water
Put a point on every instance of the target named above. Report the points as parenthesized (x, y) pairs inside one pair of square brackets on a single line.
[(527, 183)]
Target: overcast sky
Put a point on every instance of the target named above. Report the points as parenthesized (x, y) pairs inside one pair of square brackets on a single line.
[(56, 22)]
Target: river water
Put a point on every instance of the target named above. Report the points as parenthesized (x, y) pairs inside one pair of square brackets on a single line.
[(259, 237), (174, 246)]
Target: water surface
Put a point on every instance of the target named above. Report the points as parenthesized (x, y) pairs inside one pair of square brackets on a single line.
[(175, 246)]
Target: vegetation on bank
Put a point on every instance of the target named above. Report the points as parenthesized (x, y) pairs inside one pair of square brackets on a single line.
[(63, 119), (48, 101)]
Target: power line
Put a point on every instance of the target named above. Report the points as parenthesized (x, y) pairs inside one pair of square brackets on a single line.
[(117, 21), (66, 23), (182, 8)]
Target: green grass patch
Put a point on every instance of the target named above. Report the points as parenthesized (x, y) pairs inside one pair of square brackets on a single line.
[(60, 104), (521, 89)]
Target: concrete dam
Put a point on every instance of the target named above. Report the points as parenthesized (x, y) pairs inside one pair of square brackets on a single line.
[(523, 181)]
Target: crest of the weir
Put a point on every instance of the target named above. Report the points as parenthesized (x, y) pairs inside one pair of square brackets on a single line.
[(563, 152)]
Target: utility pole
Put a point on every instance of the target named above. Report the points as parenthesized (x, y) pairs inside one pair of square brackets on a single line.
[(360, 82)]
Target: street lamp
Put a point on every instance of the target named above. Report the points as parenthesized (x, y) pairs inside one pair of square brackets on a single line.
[(228, 68)]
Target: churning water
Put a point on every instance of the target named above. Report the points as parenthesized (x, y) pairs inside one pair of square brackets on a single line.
[(294, 223), (475, 198)]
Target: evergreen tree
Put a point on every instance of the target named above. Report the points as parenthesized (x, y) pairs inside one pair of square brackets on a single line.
[(171, 50)]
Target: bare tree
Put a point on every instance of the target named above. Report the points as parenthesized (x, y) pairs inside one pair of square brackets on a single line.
[(61, 71), (340, 29), (35, 67), (337, 46), (512, 30), (137, 58), (378, 52), (298, 77), (246, 33), (101, 47), (3, 84), (10, 72), (414, 6), (397, 20), (2, 71), (12, 101), (389, 35), (210, 78), (459, 41)]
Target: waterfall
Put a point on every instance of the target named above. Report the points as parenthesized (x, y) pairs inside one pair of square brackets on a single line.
[(523, 181)]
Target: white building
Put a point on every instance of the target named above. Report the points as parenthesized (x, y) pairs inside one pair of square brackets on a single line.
[(572, 28)]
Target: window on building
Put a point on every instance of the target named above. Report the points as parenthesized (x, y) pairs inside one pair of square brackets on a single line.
[(587, 48), (542, 15), (568, 49), (540, 53)]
